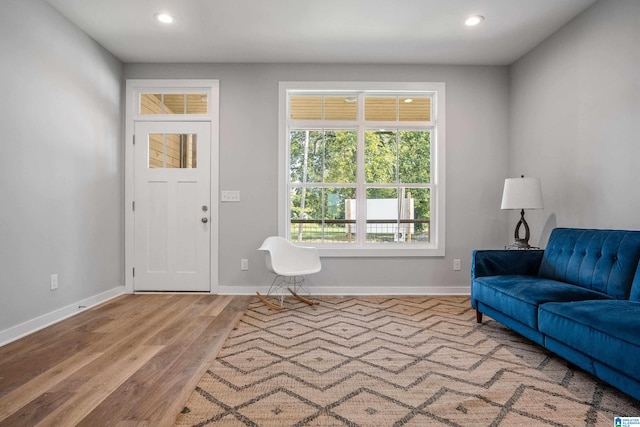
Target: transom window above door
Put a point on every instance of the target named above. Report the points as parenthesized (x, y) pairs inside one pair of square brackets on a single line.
[(173, 103)]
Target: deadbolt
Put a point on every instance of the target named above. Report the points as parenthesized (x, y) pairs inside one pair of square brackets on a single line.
[(204, 208)]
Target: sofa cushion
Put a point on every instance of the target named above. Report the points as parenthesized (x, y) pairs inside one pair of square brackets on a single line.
[(495, 262), (601, 260), (607, 331), (519, 296)]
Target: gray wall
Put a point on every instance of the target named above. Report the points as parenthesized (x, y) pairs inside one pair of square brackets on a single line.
[(575, 116), (476, 153), (61, 168)]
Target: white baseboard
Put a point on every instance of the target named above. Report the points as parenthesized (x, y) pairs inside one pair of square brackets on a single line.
[(30, 326), (356, 290)]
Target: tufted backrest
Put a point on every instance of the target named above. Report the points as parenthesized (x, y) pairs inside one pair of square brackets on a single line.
[(601, 260)]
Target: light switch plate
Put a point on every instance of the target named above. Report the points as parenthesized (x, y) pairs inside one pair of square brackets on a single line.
[(230, 196)]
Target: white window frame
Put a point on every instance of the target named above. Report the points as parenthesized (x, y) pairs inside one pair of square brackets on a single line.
[(436, 246)]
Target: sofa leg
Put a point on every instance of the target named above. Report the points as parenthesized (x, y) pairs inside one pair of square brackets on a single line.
[(478, 316)]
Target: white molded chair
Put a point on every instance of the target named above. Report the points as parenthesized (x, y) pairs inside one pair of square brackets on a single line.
[(290, 264)]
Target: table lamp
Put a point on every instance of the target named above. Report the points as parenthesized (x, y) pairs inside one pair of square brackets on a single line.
[(522, 193)]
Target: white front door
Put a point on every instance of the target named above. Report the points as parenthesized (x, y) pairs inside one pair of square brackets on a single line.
[(172, 209)]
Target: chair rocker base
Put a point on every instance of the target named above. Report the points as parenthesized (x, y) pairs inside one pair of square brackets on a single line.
[(268, 303), (303, 299), (281, 298)]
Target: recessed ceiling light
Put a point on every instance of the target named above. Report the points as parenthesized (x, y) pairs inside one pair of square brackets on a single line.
[(408, 100), (165, 18), (474, 20)]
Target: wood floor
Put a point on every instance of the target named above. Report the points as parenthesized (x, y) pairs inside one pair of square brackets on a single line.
[(132, 361)]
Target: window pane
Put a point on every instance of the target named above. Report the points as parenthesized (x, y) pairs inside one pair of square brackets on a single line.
[(156, 151), (340, 156), (380, 156), (174, 103), (314, 148), (398, 215), (306, 107), (382, 215), (297, 140), (197, 103), (189, 151), (416, 223), (380, 108), (339, 227), (151, 103), (173, 151), (306, 214), (320, 215), (306, 154), (414, 156), (414, 109), (323, 156), (340, 108)]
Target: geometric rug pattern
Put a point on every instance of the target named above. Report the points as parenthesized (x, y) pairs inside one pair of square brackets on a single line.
[(392, 361)]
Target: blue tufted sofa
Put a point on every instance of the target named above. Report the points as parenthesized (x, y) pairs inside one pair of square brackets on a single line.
[(579, 298)]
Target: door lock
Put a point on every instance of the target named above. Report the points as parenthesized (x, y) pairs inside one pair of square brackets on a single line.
[(205, 208)]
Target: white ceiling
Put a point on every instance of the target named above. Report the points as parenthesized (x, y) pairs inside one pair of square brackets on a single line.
[(321, 31)]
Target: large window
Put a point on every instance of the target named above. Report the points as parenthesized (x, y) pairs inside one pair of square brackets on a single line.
[(362, 167)]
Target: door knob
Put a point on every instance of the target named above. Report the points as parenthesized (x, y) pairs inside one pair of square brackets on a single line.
[(205, 220)]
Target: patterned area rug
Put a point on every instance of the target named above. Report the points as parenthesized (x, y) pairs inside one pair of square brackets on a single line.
[(385, 361)]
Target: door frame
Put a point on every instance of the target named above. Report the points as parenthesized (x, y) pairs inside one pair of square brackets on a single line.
[(134, 87)]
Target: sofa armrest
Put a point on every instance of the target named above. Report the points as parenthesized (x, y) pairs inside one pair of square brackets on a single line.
[(503, 262)]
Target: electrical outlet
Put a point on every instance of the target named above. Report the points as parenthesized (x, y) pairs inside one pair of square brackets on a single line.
[(244, 264), (230, 196), (457, 265), (54, 282)]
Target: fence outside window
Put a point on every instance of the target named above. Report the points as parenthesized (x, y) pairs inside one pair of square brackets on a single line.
[(344, 230)]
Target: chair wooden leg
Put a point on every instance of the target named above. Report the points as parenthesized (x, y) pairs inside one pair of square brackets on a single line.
[(478, 316), (303, 299), (268, 303)]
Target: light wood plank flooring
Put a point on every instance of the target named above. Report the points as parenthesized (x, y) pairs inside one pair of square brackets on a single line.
[(132, 361)]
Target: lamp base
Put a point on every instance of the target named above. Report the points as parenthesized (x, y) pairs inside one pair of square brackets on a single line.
[(522, 243)]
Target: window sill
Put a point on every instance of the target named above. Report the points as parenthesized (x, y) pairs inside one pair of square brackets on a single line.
[(379, 252)]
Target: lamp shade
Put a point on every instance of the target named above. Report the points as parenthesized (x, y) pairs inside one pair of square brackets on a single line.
[(522, 193)]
